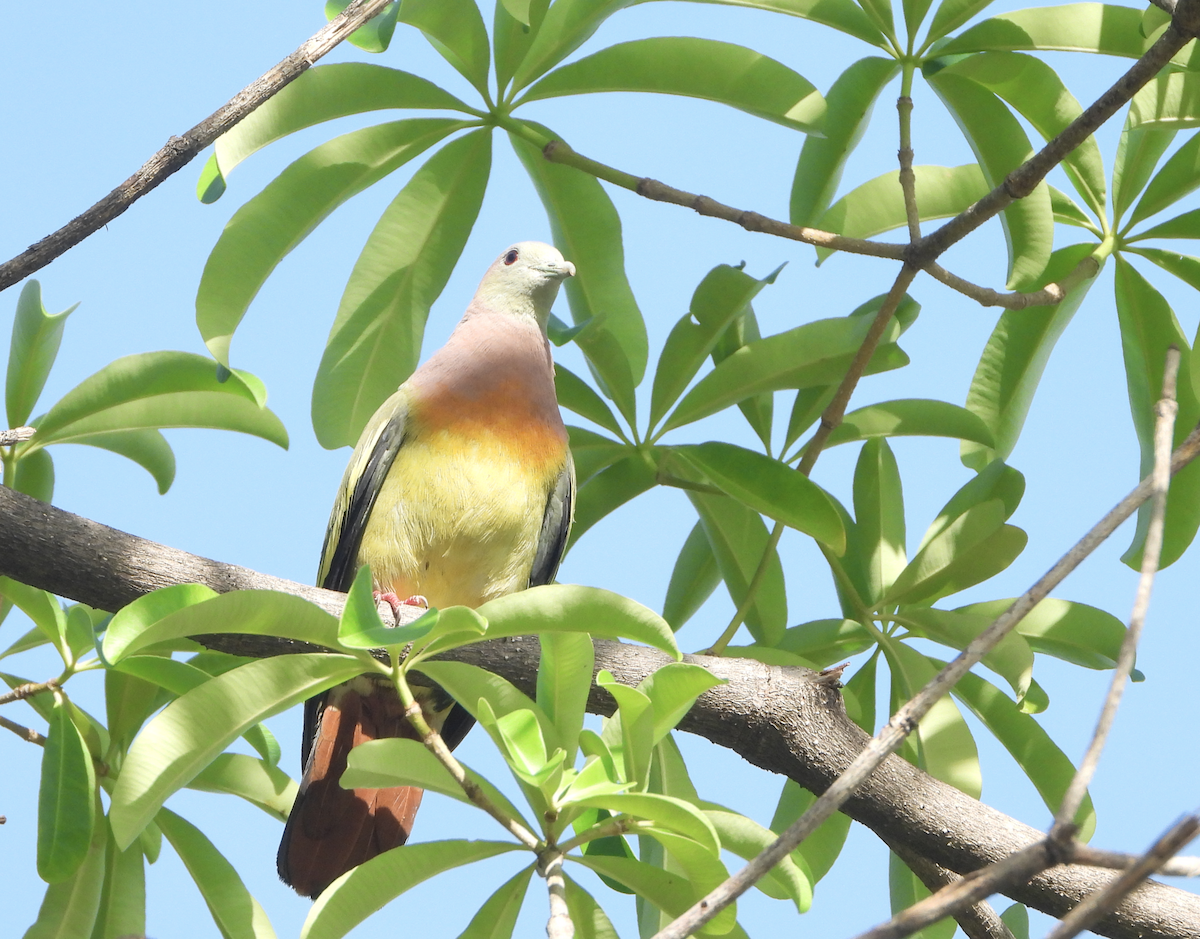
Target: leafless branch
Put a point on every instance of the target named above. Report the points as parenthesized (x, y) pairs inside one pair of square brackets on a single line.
[(1160, 479), (1106, 900), (908, 181), (179, 151), (559, 925), (986, 296), (28, 690), (16, 435), (1118, 861), (25, 733)]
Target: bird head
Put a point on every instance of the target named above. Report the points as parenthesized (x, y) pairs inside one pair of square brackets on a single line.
[(524, 281)]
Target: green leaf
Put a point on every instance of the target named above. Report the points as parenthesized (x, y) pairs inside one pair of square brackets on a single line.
[(693, 579), (376, 34), (589, 920), (192, 609), (631, 737), (879, 518), (587, 230), (703, 870), (816, 353), (577, 395), (41, 607), (739, 538), (757, 409), (1179, 176), (571, 608), (264, 230), (1013, 360), (375, 340), (66, 799), (1012, 659), (396, 761), (996, 481), (235, 911), (665, 811), (511, 38), (848, 110), (563, 682), (498, 915), (123, 900), (816, 853), (911, 417), (904, 889), (1186, 225), (36, 335), (943, 745), (1074, 632), (1070, 27), (787, 880), (566, 26), (1183, 266), (69, 908), (1023, 737), (1036, 92), (455, 29), (611, 488), (323, 93), (1138, 152), (826, 640), (364, 889), (182, 740), (256, 781), (975, 546), (1016, 918), (697, 68), (840, 14), (1000, 146), (670, 892), (361, 628), (1148, 328), (155, 390), (147, 447), (1068, 212), (877, 205), (128, 700), (950, 15), (1169, 101), (672, 689), (765, 485), (720, 298), (592, 452), (35, 477)]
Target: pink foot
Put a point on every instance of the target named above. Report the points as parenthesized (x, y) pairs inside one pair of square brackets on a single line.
[(395, 603)]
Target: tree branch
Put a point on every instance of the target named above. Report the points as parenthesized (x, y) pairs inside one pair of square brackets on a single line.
[(179, 151), (783, 720)]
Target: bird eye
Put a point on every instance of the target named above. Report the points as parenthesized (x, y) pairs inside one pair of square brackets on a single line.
[(511, 257)]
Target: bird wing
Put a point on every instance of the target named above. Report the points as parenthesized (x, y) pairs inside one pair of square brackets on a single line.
[(556, 526), (369, 466)]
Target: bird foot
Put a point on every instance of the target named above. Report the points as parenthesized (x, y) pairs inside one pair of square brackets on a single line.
[(395, 603)]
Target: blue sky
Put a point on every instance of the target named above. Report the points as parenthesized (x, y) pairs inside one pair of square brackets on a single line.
[(90, 95)]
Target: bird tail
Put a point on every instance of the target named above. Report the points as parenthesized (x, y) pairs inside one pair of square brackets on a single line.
[(331, 829)]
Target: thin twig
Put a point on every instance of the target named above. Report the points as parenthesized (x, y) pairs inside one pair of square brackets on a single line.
[(908, 181), (905, 720), (28, 690), (559, 926), (1164, 429), (437, 746), (986, 296), (25, 733), (1119, 861), (957, 896), (179, 151), (1105, 901), (16, 435), (832, 416)]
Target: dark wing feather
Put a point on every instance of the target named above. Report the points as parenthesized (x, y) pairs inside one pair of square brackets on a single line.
[(556, 526)]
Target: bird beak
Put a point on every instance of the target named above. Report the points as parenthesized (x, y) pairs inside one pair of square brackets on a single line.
[(570, 268), (554, 269)]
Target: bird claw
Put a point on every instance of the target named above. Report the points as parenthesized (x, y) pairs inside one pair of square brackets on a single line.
[(395, 603)]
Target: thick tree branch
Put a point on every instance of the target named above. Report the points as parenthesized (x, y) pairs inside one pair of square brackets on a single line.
[(784, 720), (179, 151)]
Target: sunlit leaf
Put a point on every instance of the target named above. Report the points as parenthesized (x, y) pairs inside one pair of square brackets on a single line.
[(904, 889), (820, 849), (256, 781), (498, 915), (69, 908), (375, 35), (611, 488), (1012, 659), (698, 68), (375, 340), (66, 799), (455, 29), (879, 517), (693, 579), (1070, 27), (36, 335)]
